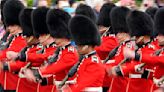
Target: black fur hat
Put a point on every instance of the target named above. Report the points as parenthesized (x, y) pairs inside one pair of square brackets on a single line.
[(38, 17), (2, 5), (159, 21), (104, 16), (25, 22), (118, 19), (84, 31), (57, 22), (140, 24), (11, 12), (86, 10), (151, 11)]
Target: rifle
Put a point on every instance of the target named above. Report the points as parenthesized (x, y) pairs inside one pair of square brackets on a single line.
[(4, 38), (21, 73), (114, 51), (54, 57), (111, 54), (7, 44), (158, 82), (156, 53), (71, 72)]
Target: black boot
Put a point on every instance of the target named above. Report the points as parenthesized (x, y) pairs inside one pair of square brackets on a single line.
[(1, 89)]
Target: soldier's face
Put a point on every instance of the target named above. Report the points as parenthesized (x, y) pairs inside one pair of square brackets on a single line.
[(84, 49), (43, 39), (140, 40), (102, 29), (14, 29), (61, 41), (160, 39), (122, 37)]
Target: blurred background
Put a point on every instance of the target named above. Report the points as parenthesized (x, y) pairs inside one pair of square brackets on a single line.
[(71, 5), (96, 4)]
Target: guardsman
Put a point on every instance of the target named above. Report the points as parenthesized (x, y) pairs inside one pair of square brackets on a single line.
[(16, 41), (65, 56), (108, 38), (120, 28), (142, 34), (11, 20), (38, 58), (148, 58), (90, 71), (32, 41)]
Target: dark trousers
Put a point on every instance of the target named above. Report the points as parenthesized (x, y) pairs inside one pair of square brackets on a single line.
[(105, 89)]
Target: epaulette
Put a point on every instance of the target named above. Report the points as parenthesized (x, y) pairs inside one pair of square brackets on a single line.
[(53, 44), (95, 59), (151, 46), (19, 34), (64, 47), (129, 45), (71, 49)]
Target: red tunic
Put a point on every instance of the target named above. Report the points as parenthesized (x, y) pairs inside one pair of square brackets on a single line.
[(23, 84), (109, 42), (90, 74), (68, 56), (17, 44), (119, 83), (140, 81)]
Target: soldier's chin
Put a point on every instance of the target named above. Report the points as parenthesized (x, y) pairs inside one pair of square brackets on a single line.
[(161, 43), (139, 44), (43, 43)]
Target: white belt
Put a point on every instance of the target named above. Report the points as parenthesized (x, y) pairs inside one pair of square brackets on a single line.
[(93, 89), (110, 61), (67, 82), (34, 67), (135, 75)]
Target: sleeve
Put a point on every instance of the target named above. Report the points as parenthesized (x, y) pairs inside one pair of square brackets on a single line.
[(92, 73), (107, 45), (17, 44), (38, 58), (153, 60), (3, 54), (65, 62), (13, 66), (44, 80), (129, 68), (47, 81)]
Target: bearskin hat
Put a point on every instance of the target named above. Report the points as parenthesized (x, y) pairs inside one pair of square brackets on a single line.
[(11, 12), (104, 16), (118, 19), (140, 23), (25, 22), (86, 10), (159, 21), (38, 17), (84, 31), (151, 11), (57, 22), (2, 5)]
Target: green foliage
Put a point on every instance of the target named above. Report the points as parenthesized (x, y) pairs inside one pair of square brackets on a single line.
[(115, 1), (138, 2), (29, 3)]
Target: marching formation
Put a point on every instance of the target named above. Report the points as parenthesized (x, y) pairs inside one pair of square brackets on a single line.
[(48, 50)]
